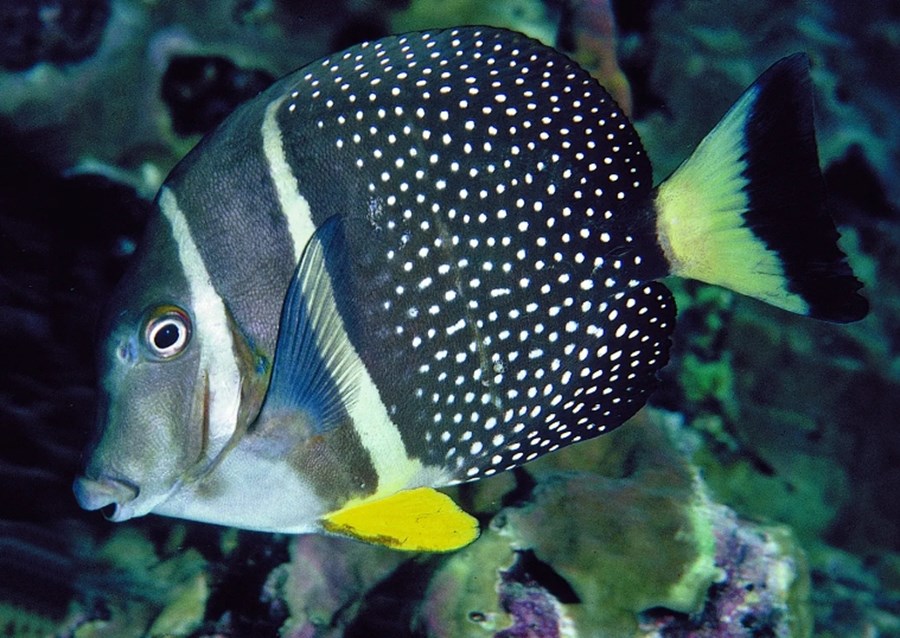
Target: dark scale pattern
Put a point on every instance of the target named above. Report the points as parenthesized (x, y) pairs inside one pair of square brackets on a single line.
[(493, 196)]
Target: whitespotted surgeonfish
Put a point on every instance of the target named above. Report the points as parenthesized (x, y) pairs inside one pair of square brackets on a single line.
[(426, 260)]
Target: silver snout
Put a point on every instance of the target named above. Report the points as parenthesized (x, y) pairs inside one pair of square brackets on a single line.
[(111, 495)]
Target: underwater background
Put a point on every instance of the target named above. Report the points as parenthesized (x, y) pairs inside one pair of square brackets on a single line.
[(757, 495)]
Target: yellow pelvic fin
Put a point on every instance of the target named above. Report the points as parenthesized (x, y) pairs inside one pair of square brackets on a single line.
[(417, 520)]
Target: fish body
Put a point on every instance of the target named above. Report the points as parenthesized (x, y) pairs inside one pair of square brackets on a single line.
[(423, 261)]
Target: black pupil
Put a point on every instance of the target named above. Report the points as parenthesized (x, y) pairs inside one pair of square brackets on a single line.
[(166, 336)]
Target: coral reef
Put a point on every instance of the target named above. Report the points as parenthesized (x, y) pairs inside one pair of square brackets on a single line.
[(58, 32), (637, 550), (325, 582), (763, 592), (787, 421), (165, 596), (109, 58), (791, 421)]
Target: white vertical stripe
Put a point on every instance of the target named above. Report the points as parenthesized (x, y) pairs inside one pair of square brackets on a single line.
[(211, 329), (293, 204), (381, 438), (377, 432)]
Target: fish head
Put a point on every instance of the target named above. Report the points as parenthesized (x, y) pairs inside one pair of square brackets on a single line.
[(154, 429)]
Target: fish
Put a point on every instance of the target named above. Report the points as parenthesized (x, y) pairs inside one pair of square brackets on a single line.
[(426, 260)]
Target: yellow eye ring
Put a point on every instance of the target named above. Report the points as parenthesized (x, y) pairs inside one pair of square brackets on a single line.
[(167, 332)]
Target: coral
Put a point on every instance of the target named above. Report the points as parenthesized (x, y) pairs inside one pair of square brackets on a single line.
[(107, 107), (702, 57), (792, 421), (853, 597), (533, 609), (151, 597), (801, 447), (200, 91), (789, 420), (184, 612), (325, 581), (593, 31), (639, 550), (462, 598), (652, 540), (57, 31), (763, 592), (23, 623), (531, 17)]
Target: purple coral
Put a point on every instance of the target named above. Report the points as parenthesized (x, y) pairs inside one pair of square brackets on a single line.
[(535, 609), (751, 600)]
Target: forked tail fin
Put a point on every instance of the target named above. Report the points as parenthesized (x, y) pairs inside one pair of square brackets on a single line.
[(746, 209)]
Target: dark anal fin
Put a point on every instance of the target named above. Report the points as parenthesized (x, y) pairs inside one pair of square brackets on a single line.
[(746, 210)]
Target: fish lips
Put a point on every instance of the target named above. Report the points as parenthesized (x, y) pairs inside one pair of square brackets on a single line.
[(116, 498)]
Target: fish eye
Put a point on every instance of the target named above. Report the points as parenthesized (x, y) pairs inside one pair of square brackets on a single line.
[(167, 331)]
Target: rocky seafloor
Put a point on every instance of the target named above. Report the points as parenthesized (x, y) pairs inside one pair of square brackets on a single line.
[(755, 497)]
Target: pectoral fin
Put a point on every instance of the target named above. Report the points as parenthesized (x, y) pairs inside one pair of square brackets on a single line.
[(315, 370), (417, 520)]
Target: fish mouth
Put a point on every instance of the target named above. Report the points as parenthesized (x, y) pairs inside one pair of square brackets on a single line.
[(113, 497)]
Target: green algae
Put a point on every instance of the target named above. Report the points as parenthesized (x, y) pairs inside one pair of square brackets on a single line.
[(627, 543), (23, 623), (532, 17), (632, 531), (633, 534), (160, 597), (462, 600)]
